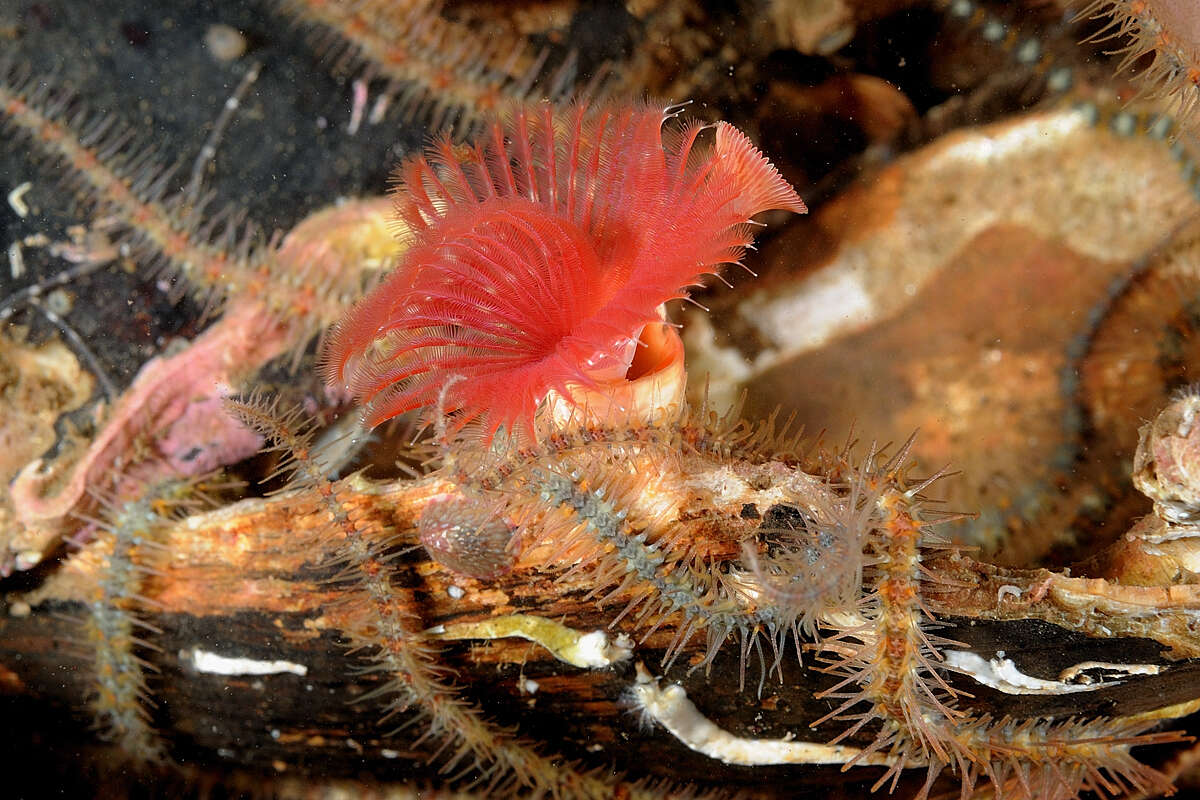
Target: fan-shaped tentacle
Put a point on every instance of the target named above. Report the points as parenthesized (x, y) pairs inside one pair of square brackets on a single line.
[(539, 255)]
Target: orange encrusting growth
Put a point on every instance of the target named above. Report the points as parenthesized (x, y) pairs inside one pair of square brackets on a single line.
[(538, 256)]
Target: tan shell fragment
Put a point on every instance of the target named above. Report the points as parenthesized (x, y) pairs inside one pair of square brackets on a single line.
[(1166, 467)]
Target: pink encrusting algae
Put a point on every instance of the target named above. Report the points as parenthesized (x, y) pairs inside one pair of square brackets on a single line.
[(540, 254)]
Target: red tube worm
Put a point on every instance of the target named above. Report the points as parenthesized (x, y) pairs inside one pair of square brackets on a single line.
[(540, 254)]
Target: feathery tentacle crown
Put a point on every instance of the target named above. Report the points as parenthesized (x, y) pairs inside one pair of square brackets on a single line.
[(540, 253)]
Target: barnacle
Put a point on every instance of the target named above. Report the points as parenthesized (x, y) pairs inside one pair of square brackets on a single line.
[(465, 538)]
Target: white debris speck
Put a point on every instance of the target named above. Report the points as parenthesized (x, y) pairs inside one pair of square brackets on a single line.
[(27, 559), (1002, 674), (1008, 588), (16, 199), (671, 708), (456, 592), (16, 260), (224, 42), (205, 661), (596, 649)]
